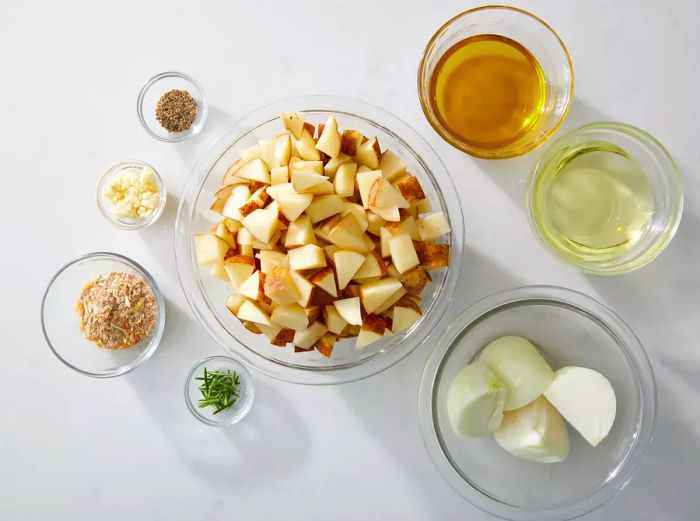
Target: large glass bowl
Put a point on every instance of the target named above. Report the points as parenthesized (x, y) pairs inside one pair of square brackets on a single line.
[(207, 295), (571, 329)]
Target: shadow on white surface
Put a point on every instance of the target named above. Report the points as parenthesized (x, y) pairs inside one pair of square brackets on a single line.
[(190, 149), (390, 401), (652, 295), (270, 442), (511, 175)]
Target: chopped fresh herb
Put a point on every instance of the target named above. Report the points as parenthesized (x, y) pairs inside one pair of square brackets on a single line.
[(220, 389)]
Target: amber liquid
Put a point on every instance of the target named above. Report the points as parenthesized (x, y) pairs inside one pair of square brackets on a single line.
[(488, 91)]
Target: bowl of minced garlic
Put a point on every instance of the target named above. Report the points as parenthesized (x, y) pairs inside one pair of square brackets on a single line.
[(131, 195)]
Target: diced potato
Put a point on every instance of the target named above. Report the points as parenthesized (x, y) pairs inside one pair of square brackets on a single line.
[(350, 142), (433, 255), (334, 322), (293, 205), (300, 233), (292, 316), (306, 146), (279, 175), (364, 184), (424, 206), (349, 309), (391, 165), (293, 237), (325, 279), (373, 266), (210, 248), (372, 330), (325, 344), (433, 226), (305, 288), (324, 206), (346, 265), (411, 189), (408, 225), (269, 259), (344, 180), (307, 257), (329, 140), (255, 170), (373, 294), (308, 337), (403, 253), (294, 122), (404, 316), (369, 154), (280, 286), (252, 287), (250, 311)]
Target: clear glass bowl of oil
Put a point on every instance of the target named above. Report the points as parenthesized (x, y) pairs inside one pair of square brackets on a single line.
[(495, 82), (606, 197)]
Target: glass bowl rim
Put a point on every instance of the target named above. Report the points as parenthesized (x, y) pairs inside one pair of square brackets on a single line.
[(239, 367), (354, 108), (181, 136), (479, 152), (647, 141), (142, 223), (637, 361), (156, 336)]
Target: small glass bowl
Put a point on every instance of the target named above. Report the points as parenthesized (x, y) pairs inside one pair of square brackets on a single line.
[(536, 36), (59, 321), (104, 204), (571, 329), (661, 172), (233, 414), (151, 93)]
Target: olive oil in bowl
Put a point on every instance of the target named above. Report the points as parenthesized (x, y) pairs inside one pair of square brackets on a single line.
[(495, 81), (596, 201), (606, 197), (488, 91)]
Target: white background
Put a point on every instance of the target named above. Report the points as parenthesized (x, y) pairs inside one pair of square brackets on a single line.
[(74, 448)]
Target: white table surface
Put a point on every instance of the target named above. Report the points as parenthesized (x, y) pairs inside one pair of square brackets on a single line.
[(74, 448)]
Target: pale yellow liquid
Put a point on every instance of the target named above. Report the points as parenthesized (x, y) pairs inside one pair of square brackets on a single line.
[(598, 203)]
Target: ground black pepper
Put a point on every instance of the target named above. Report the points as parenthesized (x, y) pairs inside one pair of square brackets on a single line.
[(176, 110)]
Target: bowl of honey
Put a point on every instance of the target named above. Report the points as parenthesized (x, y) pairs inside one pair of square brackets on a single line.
[(495, 82)]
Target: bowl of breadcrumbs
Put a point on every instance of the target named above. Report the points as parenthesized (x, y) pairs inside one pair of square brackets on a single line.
[(103, 315)]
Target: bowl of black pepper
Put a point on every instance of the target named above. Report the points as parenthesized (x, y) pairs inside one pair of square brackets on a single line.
[(172, 106)]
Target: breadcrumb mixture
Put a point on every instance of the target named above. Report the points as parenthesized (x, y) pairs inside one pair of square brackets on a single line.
[(117, 310)]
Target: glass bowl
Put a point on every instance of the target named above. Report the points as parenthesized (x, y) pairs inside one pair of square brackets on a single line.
[(237, 411), (59, 321), (207, 295), (661, 173), (151, 93), (571, 329), (536, 36), (104, 204)]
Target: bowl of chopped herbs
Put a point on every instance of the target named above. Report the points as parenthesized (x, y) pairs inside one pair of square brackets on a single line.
[(219, 391)]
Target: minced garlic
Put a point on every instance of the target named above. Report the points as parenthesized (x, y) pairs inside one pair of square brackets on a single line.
[(133, 193)]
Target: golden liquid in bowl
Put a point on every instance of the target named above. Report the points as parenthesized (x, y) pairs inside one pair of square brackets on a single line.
[(488, 91), (594, 200)]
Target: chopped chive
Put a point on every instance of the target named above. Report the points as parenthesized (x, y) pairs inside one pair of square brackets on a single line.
[(220, 389)]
